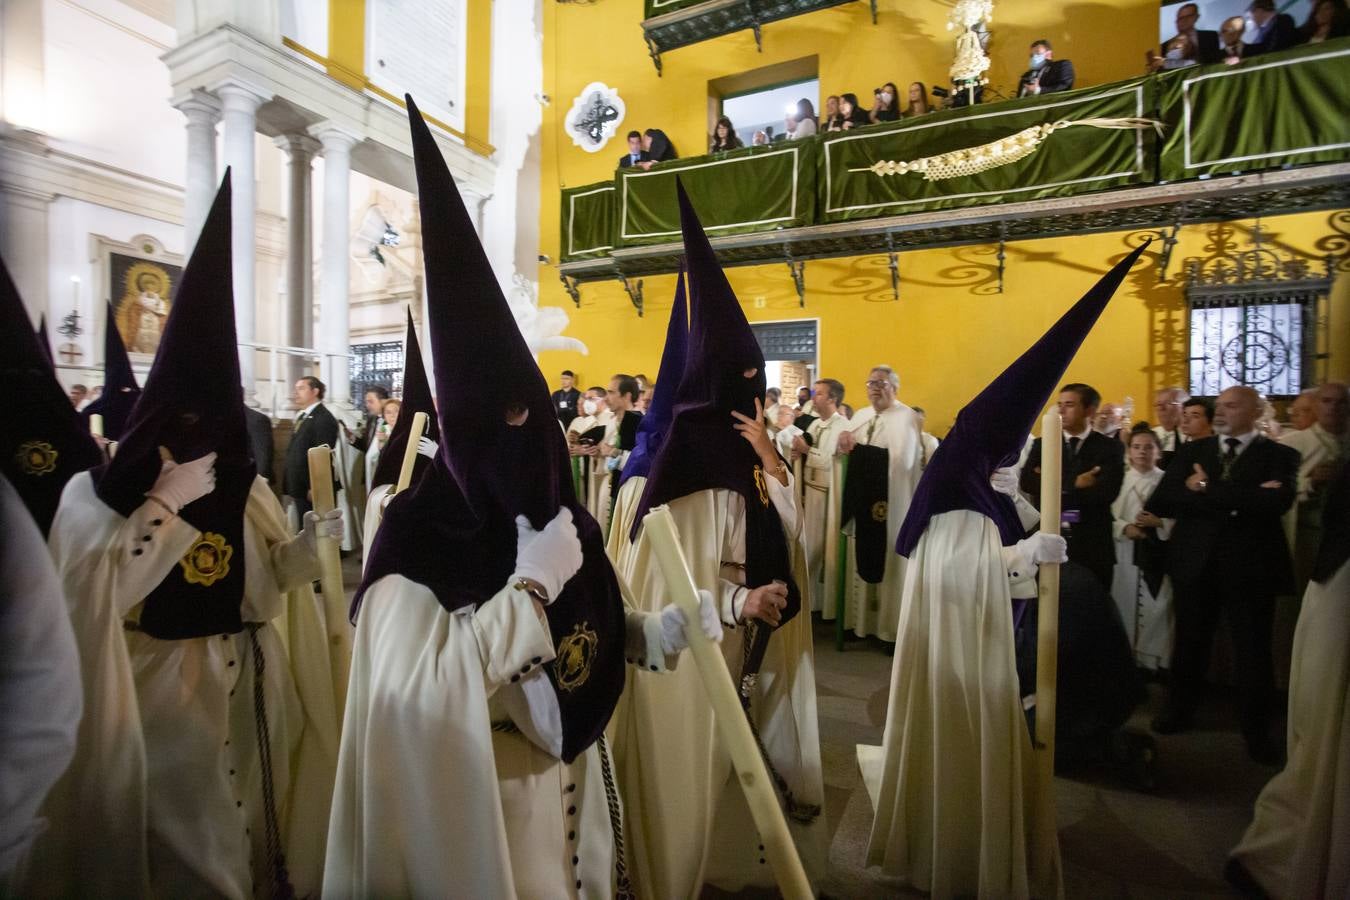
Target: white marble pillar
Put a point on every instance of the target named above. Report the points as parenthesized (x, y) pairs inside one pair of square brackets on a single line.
[(473, 202), (334, 274), (240, 104), (202, 112), (298, 317)]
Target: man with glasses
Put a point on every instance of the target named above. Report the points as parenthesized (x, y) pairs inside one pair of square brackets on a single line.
[(885, 461), (1190, 46), (1167, 413)]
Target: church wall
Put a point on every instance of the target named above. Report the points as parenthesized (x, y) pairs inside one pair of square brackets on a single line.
[(951, 330)]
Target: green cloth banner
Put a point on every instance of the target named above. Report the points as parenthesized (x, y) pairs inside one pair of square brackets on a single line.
[(1290, 108), (747, 190), (1070, 161), (588, 221)]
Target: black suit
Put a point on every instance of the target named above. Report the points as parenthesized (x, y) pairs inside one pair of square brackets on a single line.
[(260, 440), (1207, 48), (565, 402), (314, 430), (1227, 553), (1089, 538), (1055, 75), (1282, 35), (627, 160)]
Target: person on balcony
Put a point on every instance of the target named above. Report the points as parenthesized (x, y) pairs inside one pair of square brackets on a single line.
[(637, 153), (1046, 75), (886, 104)]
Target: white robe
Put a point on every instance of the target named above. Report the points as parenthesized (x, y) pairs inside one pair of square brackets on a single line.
[(688, 820), (1296, 844), (820, 495), (443, 785), (875, 608), (625, 509), (164, 797), (954, 784), (39, 686), (1303, 521), (1148, 620)]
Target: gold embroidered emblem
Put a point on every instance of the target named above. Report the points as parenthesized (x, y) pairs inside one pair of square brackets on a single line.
[(761, 485), (576, 652), (36, 458), (207, 560), (879, 511)]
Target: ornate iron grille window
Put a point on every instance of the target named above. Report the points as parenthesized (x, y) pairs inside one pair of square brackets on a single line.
[(1257, 319), (377, 364)]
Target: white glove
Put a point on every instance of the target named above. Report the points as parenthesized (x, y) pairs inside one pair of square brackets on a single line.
[(549, 557), (1043, 548), (673, 623), (1004, 481), (427, 447), (181, 483), (328, 525)]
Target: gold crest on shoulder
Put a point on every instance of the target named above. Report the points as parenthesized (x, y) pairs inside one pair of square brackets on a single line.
[(36, 458), (207, 560), (761, 485), (576, 652)]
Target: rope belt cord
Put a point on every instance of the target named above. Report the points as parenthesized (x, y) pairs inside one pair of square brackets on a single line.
[(982, 158), (281, 881), (623, 888)]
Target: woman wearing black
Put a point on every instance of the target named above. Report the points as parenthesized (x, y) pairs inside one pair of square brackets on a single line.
[(724, 137), (886, 107), (658, 147), (849, 115), (918, 101), (1329, 19)]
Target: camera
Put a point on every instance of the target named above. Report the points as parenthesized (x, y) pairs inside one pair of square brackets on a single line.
[(876, 92), (940, 91)]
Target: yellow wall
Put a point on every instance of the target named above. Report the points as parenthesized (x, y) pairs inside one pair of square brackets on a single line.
[(950, 333)]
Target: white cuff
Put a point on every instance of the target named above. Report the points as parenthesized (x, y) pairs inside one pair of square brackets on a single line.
[(513, 640)]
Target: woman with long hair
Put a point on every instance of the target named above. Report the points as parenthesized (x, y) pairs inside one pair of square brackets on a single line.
[(1328, 19), (918, 100), (724, 136), (802, 122), (850, 116)]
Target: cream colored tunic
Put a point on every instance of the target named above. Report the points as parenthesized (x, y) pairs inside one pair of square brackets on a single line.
[(958, 811), (1296, 845), (688, 823), (818, 473), (875, 608), (164, 797), (1148, 619)]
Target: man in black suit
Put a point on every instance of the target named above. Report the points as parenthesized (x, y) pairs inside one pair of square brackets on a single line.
[(1046, 75), (1274, 30), (314, 426), (260, 440), (1092, 471), (635, 152), (373, 399), (1227, 554), (1189, 45), (566, 398)]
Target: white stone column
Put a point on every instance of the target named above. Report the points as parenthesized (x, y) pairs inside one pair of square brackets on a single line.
[(473, 202), (298, 317), (335, 275), (202, 112), (240, 104)]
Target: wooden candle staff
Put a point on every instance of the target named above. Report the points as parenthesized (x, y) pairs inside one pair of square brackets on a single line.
[(330, 577), (1047, 629), (96, 425), (731, 722), (405, 474)]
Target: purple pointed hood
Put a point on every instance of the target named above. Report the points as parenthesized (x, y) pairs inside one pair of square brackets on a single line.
[(120, 391), (45, 341), (416, 398), (992, 428), (651, 433), (502, 455), (43, 442)]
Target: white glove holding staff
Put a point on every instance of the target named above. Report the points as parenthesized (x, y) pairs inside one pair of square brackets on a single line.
[(1004, 481), (181, 483), (327, 525), (674, 625), (1042, 547), (549, 557), (427, 447)]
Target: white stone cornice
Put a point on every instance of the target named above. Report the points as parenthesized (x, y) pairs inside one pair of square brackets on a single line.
[(237, 95), (200, 108), (28, 167), (385, 153), (297, 144), (334, 137)]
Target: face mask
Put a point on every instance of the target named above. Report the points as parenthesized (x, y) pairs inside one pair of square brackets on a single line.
[(589, 406), (886, 98), (1037, 60)]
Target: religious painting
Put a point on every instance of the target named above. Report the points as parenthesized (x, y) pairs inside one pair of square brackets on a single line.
[(595, 116), (140, 278)]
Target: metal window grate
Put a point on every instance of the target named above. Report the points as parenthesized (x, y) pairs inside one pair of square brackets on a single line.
[(790, 341), (377, 364)]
